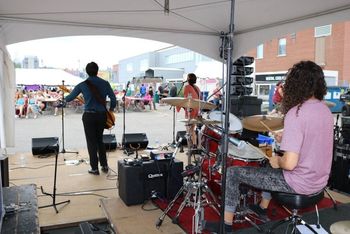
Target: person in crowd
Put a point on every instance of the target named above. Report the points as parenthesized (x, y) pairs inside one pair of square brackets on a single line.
[(191, 90), (94, 116), (153, 103), (217, 95), (277, 98), (295, 170), (173, 90), (33, 106), (143, 90), (21, 105)]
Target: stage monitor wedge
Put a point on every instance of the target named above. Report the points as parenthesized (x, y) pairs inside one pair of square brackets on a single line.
[(110, 142), (45, 145), (135, 141)]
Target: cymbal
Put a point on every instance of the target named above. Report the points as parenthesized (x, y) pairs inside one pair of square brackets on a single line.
[(262, 123), (341, 227), (189, 103), (330, 104), (199, 120)]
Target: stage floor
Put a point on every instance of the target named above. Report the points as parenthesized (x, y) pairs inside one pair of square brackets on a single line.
[(85, 192)]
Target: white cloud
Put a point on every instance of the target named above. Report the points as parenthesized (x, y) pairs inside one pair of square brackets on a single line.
[(74, 52)]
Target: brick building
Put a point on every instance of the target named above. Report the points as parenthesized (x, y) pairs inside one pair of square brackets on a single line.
[(328, 46)]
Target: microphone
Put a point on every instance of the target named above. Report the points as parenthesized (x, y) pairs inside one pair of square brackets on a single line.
[(184, 81), (236, 142), (127, 85)]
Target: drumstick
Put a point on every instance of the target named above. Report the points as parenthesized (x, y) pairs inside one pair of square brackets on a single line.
[(267, 127)]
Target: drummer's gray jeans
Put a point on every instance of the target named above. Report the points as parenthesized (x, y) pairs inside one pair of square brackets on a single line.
[(264, 178)]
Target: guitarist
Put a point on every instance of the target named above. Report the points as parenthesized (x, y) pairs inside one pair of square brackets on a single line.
[(94, 116)]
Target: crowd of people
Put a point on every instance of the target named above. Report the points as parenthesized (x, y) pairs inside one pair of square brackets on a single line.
[(31, 103)]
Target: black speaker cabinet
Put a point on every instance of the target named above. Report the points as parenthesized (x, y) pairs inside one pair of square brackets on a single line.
[(137, 183), (183, 135), (340, 173), (135, 141), (110, 141), (46, 145)]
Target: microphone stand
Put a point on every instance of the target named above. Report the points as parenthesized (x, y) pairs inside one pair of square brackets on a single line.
[(173, 144), (63, 151), (123, 98)]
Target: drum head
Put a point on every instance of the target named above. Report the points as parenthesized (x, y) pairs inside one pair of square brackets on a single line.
[(248, 153), (235, 123)]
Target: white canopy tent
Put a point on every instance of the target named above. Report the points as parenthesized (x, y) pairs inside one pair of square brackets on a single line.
[(194, 24), (45, 77)]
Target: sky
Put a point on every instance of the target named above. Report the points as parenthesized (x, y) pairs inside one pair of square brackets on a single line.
[(75, 52)]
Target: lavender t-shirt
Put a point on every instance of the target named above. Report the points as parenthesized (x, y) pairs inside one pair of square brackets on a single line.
[(309, 134)]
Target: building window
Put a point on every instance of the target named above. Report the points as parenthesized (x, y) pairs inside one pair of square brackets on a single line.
[(320, 51), (180, 58), (323, 31), (144, 65), (282, 44), (260, 51), (129, 67)]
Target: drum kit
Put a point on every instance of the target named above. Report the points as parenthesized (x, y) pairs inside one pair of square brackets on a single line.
[(203, 184)]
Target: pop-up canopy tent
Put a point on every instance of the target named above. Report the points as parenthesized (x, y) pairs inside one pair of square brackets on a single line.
[(195, 24), (51, 77)]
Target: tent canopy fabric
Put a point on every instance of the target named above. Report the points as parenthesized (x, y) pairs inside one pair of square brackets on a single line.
[(52, 77), (195, 24)]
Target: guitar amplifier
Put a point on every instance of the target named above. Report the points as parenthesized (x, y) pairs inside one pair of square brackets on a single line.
[(138, 183)]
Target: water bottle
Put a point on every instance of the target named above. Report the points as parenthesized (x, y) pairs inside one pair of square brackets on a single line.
[(22, 161)]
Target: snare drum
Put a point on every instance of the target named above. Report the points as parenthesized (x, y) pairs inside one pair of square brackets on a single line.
[(248, 155), (235, 123)]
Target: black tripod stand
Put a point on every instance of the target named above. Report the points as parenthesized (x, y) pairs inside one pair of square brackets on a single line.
[(63, 151), (53, 195)]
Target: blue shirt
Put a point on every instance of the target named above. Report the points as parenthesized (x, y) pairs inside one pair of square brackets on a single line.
[(91, 103)]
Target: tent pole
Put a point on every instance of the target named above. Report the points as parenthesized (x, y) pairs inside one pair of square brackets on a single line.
[(227, 102)]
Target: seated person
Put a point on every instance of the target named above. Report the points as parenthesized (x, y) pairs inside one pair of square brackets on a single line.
[(295, 171)]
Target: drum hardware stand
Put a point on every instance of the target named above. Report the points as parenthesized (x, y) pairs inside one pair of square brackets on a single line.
[(53, 195), (195, 188)]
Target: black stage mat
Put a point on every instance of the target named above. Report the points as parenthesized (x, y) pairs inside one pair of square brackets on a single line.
[(328, 216), (25, 219)]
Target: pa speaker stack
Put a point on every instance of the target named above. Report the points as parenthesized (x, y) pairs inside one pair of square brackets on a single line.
[(345, 128), (45, 145)]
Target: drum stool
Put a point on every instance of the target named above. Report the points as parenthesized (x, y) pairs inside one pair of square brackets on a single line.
[(296, 202)]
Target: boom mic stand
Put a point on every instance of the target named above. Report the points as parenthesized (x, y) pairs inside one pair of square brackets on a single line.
[(173, 144), (63, 151), (53, 195)]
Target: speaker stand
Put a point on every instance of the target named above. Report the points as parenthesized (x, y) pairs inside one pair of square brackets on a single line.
[(63, 151), (53, 195)]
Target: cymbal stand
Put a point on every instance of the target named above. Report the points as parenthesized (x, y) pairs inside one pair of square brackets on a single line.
[(195, 190)]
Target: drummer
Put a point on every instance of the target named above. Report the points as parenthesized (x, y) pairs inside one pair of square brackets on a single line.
[(192, 91), (295, 171)]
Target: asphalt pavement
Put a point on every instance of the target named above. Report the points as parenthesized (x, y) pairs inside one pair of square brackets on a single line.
[(157, 124)]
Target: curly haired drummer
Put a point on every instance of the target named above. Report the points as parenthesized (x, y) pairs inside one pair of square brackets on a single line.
[(307, 139)]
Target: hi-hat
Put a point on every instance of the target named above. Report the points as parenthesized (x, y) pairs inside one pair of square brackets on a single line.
[(189, 103), (262, 123), (341, 227), (199, 120), (330, 104)]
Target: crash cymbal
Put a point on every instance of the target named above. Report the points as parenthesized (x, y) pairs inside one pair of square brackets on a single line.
[(341, 227), (189, 103), (330, 104), (199, 120), (262, 123)]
